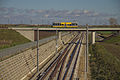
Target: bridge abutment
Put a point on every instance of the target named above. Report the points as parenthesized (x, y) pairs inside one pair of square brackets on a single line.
[(93, 37), (27, 34)]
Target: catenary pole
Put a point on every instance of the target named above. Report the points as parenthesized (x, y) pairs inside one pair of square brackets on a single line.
[(37, 50), (87, 48), (86, 54), (56, 40)]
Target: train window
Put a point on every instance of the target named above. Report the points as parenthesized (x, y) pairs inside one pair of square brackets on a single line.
[(75, 23), (61, 24), (72, 24), (68, 24), (65, 24), (57, 23)]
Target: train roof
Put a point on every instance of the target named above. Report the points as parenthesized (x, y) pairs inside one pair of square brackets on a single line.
[(64, 22)]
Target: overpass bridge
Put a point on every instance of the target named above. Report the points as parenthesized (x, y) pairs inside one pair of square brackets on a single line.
[(69, 29), (93, 30), (90, 29)]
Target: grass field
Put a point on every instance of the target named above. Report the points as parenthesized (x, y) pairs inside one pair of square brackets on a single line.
[(22, 25), (100, 26), (9, 38)]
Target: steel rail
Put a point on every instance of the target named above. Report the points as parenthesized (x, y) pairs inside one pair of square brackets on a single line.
[(40, 77), (76, 58), (51, 76), (59, 63), (61, 67), (70, 61)]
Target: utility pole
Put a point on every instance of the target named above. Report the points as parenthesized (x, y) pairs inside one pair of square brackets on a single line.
[(42, 21), (21, 21), (86, 55), (31, 21), (37, 50), (48, 22), (8, 21)]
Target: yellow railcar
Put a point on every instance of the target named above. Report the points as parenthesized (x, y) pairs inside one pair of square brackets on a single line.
[(65, 24)]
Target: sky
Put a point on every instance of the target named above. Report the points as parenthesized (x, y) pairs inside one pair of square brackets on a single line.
[(110, 7)]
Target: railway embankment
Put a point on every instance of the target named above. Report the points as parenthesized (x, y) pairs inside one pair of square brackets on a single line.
[(23, 65), (105, 58), (10, 38)]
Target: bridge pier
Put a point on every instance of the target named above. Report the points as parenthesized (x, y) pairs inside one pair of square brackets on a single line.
[(118, 32), (93, 37), (60, 36)]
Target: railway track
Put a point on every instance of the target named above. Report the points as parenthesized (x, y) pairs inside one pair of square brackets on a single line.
[(63, 65)]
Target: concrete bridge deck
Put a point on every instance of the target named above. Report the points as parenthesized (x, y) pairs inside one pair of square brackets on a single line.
[(92, 29), (70, 29)]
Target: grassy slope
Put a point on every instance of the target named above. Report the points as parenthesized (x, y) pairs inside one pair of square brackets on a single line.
[(104, 66), (11, 38), (105, 59), (105, 32), (112, 45), (114, 39)]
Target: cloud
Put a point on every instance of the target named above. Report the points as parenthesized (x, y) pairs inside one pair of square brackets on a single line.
[(51, 15)]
